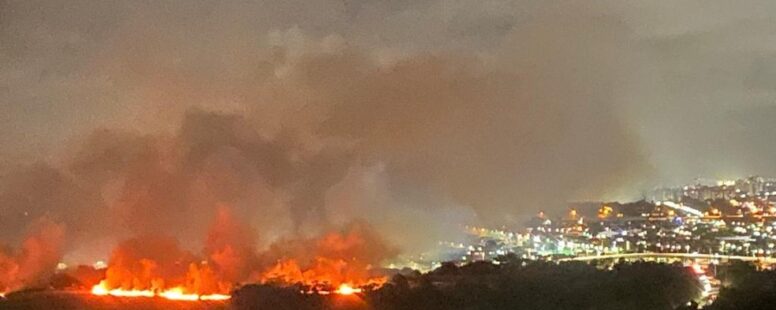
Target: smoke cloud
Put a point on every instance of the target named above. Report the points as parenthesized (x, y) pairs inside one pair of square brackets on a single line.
[(126, 120), (35, 259)]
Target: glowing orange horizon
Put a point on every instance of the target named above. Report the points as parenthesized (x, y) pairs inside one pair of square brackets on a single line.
[(176, 293)]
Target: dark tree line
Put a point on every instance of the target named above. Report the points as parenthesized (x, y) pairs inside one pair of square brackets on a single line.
[(541, 285), (745, 287), (512, 284)]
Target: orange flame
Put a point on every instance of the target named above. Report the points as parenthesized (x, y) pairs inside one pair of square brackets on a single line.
[(176, 293), (346, 289), (323, 271), (342, 264), (154, 266)]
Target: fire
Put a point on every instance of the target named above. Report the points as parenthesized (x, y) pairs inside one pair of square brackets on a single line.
[(342, 262), (155, 266), (176, 293), (323, 274), (214, 297), (102, 290), (346, 289)]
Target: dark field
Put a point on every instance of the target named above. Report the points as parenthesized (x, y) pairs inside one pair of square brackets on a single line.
[(67, 300)]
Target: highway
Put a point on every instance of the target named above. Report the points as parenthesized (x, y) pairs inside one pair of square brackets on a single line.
[(764, 260)]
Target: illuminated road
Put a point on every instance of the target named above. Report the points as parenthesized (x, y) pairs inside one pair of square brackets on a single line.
[(764, 260), (710, 285)]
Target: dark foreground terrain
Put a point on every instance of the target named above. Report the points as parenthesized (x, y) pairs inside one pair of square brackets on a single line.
[(512, 284), (70, 300)]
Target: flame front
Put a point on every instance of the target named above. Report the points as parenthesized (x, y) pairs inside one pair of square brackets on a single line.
[(342, 263), (346, 289), (176, 293), (325, 276), (155, 266)]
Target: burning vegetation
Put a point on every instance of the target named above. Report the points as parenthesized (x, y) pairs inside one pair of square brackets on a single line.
[(339, 261), (35, 260), (155, 266), (262, 199)]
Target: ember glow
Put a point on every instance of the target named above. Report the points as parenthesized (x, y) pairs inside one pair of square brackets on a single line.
[(346, 289), (176, 293)]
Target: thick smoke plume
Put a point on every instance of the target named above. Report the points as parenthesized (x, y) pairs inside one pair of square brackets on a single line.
[(185, 109)]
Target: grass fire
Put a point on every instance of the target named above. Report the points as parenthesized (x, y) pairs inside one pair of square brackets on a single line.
[(339, 262), (156, 267)]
